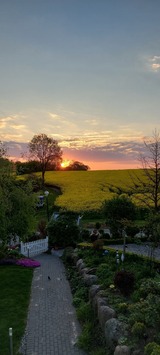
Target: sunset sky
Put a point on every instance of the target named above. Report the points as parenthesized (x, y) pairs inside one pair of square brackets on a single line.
[(86, 72)]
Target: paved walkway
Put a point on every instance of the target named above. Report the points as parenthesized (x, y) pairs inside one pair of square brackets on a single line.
[(52, 327), (142, 249)]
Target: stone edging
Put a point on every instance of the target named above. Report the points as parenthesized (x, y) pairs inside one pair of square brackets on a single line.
[(112, 328)]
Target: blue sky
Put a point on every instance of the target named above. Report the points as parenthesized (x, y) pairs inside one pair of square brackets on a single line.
[(86, 72)]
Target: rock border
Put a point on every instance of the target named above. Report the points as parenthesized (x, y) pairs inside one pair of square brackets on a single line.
[(112, 328)]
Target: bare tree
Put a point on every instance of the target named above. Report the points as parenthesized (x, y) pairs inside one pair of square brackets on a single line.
[(3, 150), (46, 150), (147, 184)]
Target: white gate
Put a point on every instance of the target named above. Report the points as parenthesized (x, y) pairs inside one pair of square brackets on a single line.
[(34, 248)]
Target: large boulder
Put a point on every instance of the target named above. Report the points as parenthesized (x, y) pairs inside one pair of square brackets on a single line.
[(83, 270), (104, 314), (113, 332), (122, 350), (89, 279), (80, 264), (93, 291), (75, 257), (99, 299)]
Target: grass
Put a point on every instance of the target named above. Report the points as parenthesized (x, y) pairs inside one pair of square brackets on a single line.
[(15, 286)]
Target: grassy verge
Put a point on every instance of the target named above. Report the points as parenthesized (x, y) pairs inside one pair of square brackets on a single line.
[(90, 339), (15, 285)]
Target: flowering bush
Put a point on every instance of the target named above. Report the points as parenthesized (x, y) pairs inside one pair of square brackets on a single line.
[(28, 263)]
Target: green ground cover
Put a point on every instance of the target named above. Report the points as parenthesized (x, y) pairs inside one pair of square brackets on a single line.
[(15, 286)]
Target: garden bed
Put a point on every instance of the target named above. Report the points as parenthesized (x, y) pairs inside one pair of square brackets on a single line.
[(136, 300)]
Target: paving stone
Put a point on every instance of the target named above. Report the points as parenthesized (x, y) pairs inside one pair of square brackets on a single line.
[(52, 327)]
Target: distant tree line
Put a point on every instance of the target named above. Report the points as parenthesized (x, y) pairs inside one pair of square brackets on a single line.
[(44, 155), (33, 166), (76, 165)]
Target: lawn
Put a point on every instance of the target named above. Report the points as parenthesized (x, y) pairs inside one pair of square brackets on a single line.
[(15, 286)]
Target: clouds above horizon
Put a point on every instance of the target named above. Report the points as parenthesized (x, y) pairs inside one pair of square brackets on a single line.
[(126, 152), (91, 139), (66, 127), (155, 63)]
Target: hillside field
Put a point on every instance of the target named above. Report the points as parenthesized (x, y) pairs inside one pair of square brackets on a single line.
[(87, 190)]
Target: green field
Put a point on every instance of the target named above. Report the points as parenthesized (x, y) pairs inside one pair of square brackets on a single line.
[(87, 190)]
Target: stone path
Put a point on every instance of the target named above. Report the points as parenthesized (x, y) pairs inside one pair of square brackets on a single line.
[(52, 327)]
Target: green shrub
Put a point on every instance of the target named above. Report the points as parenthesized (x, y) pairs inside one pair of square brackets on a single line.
[(82, 292), (152, 314), (124, 280), (105, 274), (122, 307), (135, 297), (138, 330), (146, 311), (85, 339), (85, 313), (75, 280), (152, 349), (116, 211), (149, 286), (68, 256), (63, 232), (77, 301), (85, 235)]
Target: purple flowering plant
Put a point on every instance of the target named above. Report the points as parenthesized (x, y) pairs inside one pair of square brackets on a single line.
[(28, 262)]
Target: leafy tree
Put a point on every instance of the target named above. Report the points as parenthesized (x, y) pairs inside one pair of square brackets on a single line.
[(76, 165), (46, 150), (63, 231), (118, 211), (6, 165), (17, 208), (28, 167)]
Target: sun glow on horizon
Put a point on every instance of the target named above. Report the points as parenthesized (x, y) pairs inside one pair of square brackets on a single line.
[(65, 163)]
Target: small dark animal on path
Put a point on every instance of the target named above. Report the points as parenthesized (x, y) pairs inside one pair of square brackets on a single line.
[(49, 278)]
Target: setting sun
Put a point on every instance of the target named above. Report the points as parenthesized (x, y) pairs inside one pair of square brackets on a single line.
[(65, 163)]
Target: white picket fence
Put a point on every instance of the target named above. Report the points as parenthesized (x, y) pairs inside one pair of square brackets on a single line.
[(34, 248)]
